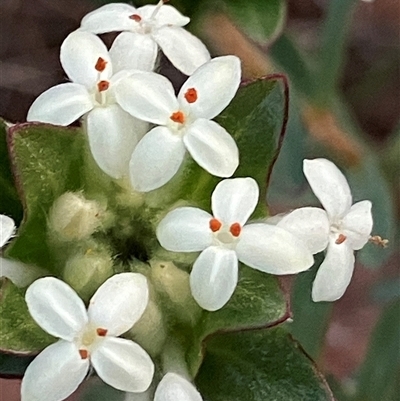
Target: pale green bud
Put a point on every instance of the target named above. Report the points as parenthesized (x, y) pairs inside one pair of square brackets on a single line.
[(73, 217)]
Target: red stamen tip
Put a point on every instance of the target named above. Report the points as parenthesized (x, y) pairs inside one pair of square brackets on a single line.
[(135, 17), (235, 229), (103, 86), (84, 353), (340, 239), (215, 225), (100, 64), (178, 117), (191, 95), (101, 332)]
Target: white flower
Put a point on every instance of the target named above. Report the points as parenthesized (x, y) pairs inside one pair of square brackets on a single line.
[(172, 387), (87, 337), (342, 227), (94, 72), (147, 28), (185, 122), (20, 274), (224, 239)]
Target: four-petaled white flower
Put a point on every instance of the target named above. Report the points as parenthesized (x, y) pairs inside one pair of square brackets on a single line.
[(146, 28), (87, 337), (224, 239), (94, 72), (19, 273), (185, 122), (342, 227)]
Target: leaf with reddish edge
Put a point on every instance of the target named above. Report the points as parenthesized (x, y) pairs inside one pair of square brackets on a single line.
[(260, 365)]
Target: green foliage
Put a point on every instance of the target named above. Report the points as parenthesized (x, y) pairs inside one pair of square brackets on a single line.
[(257, 366)]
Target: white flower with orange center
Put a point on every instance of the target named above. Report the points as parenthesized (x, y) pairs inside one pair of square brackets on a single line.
[(185, 122), (146, 28), (341, 228), (94, 73), (87, 338), (224, 239)]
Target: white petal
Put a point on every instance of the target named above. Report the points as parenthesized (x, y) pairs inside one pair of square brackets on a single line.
[(212, 147), (61, 104), (216, 83), (234, 200), (119, 303), (148, 96), (186, 229), (214, 277), (329, 186), (133, 51), (109, 18), (113, 135), (56, 307), (54, 374), (166, 15), (272, 250), (334, 274), (19, 273), (184, 50), (79, 54), (156, 159), (173, 387), (7, 229), (357, 224), (123, 365), (310, 224)]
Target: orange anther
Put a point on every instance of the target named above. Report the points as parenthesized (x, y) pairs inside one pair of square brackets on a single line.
[(135, 17), (191, 95), (178, 117), (340, 239), (103, 86), (101, 64), (215, 225), (101, 332), (84, 353), (235, 229)]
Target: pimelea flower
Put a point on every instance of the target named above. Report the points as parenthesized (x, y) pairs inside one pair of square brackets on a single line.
[(341, 228), (19, 273), (87, 337), (94, 72), (224, 239), (185, 122), (145, 28)]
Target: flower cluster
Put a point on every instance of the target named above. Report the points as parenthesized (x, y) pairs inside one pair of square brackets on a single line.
[(138, 128)]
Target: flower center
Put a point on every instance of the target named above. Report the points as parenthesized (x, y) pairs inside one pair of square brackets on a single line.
[(340, 239), (89, 339), (103, 85), (178, 117), (223, 234), (100, 64), (191, 95), (135, 17)]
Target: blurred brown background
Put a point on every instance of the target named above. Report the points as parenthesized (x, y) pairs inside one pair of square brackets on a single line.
[(31, 33)]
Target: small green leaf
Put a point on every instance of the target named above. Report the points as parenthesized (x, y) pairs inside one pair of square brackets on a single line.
[(258, 366), (257, 302), (9, 200), (18, 332), (380, 371)]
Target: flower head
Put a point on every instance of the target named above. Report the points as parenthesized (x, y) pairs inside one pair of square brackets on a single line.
[(87, 337), (185, 122), (94, 73), (341, 228), (224, 238), (148, 27)]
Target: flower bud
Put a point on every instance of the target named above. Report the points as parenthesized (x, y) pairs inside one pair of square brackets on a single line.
[(73, 217), (85, 272)]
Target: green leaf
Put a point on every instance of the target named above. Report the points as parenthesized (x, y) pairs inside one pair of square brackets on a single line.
[(380, 372), (258, 301), (261, 20), (9, 200), (258, 366), (18, 331)]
